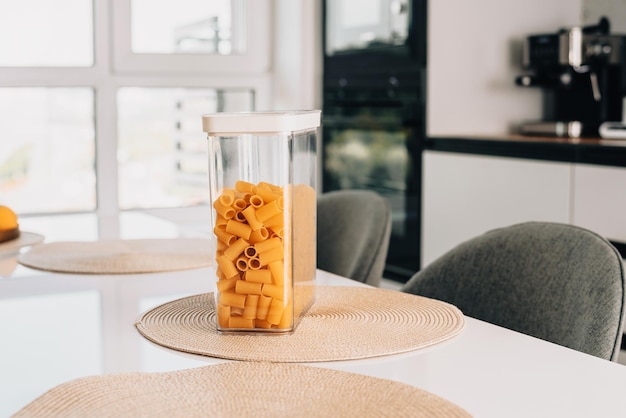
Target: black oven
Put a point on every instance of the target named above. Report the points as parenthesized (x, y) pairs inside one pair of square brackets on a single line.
[(374, 112), (373, 132)]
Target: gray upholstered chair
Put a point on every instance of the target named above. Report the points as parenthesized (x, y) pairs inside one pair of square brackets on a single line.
[(557, 282), (353, 232)]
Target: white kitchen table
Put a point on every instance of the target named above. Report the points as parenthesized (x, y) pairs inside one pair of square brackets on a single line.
[(57, 327)]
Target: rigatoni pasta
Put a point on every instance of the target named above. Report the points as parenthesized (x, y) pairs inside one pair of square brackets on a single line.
[(254, 264)]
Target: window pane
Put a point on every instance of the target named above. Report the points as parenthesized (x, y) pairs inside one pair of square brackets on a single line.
[(46, 33), (162, 150), (47, 151), (187, 26)]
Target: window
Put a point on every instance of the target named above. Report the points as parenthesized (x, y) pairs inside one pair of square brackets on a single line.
[(101, 104), (192, 36), (162, 158), (37, 33), (47, 153), (167, 28)]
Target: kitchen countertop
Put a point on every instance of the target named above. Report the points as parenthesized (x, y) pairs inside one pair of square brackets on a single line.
[(598, 151)]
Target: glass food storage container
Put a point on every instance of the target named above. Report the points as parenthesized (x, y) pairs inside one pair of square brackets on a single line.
[(262, 185)]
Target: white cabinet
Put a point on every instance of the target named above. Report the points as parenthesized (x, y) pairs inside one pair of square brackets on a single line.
[(465, 195), (599, 197)]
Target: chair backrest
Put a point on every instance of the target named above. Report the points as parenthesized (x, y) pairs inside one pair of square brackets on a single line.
[(353, 232), (557, 282)]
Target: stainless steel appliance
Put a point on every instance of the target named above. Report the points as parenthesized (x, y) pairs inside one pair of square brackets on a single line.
[(582, 71)]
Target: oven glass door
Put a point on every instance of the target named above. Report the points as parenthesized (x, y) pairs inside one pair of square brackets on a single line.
[(376, 148)]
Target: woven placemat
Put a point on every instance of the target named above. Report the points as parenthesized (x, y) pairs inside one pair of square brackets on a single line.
[(120, 256), (344, 323), (23, 240), (241, 389)]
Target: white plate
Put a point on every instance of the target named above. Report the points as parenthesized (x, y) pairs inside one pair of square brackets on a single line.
[(25, 239)]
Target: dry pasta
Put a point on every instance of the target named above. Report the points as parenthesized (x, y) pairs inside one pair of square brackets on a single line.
[(240, 203), (236, 248), (255, 286), (227, 198), (224, 236), (244, 187), (256, 201), (254, 263), (238, 228), (267, 195), (232, 299), (259, 276), (242, 274), (226, 211), (244, 287), (249, 311), (267, 245), (263, 307), (268, 210), (271, 255), (242, 264), (250, 214)]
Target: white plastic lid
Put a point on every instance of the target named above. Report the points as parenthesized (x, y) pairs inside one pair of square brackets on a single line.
[(258, 122)]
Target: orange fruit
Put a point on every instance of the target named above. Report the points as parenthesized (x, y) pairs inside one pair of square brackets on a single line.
[(8, 219)]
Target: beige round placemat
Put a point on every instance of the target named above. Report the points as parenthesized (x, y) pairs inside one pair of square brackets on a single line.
[(24, 240), (120, 256), (241, 389), (344, 323)]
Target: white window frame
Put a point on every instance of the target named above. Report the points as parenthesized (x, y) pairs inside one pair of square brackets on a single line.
[(114, 68), (255, 60)]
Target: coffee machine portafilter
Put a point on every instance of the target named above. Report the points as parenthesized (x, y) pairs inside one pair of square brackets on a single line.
[(582, 72)]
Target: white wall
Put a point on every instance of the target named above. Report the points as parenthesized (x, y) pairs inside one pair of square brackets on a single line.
[(615, 10), (474, 55), (297, 60)]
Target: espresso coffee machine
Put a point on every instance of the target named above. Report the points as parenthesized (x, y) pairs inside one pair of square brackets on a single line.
[(582, 72)]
